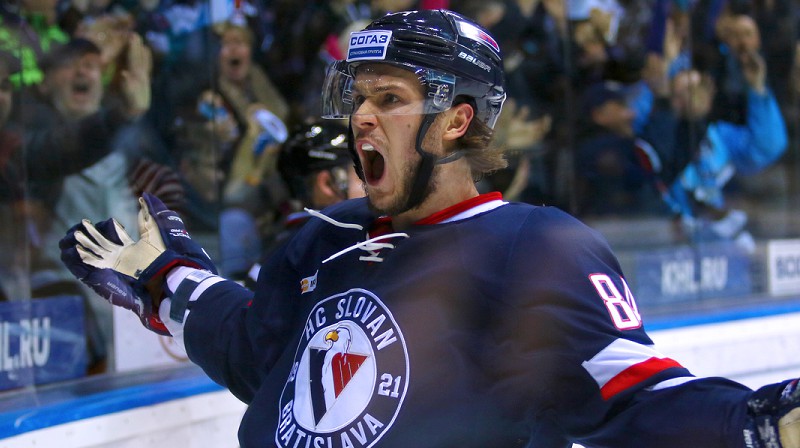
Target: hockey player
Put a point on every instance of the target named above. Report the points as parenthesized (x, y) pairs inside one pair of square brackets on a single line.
[(427, 315), (315, 164)]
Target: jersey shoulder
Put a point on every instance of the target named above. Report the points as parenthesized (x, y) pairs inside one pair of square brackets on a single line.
[(334, 223), (546, 223)]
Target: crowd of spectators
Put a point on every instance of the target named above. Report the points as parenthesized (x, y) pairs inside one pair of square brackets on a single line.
[(616, 108)]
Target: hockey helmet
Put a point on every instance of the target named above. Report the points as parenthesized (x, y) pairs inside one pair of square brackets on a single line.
[(312, 148), (451, 55)]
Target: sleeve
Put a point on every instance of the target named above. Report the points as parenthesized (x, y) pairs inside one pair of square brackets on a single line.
[(642, 103), (576, 356), (658, 27), (761, 142), (236, 336), (58, 147), (216, 339)]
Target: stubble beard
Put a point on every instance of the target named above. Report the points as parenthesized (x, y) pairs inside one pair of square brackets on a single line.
[(400, 203)]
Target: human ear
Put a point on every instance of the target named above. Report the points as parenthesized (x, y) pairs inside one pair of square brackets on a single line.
[(460, 116), (325, 184)]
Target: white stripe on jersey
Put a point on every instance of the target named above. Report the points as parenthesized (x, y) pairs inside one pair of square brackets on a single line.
[(624, 364), (485, 207), (673, 382)]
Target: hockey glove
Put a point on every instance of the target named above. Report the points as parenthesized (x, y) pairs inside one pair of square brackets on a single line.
[(118, 289), (94, 253), (773, 417)]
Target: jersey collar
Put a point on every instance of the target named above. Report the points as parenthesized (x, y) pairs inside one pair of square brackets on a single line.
[(466, 209), (457, 212)]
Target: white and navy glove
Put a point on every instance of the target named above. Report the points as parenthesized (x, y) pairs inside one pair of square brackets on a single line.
[(773, 416), (131, 273)]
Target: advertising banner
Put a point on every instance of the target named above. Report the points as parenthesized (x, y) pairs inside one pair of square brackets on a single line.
[(41, 341), (783, 266), (689, 273)]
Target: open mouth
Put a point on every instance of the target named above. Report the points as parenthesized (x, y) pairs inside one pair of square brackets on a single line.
[(81, 87), (373, 163)]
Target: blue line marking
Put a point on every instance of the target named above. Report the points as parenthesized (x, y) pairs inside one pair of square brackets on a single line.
[(30, 419), (720, 316)]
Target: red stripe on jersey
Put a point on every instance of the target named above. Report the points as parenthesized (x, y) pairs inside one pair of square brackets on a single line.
[(635, 374), (461, 207), (381, 226)]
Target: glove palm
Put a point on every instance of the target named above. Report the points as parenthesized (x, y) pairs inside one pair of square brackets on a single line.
[(131, 257), (130, 273)]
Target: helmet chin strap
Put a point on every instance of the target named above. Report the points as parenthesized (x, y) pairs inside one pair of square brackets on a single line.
[(426, 165), (351, 147), (424, 169)]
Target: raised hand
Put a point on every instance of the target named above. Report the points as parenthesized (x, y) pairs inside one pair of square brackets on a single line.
[(136, 77), (99, 271), (129, 273)]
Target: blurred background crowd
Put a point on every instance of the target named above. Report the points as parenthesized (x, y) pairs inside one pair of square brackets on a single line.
[(679, 114)]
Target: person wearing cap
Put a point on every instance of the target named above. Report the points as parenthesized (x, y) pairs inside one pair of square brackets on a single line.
[(89, 154), (426, 314), (615, 170), (702, 152)]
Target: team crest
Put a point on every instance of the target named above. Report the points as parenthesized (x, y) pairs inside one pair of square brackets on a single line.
[(349, 378)]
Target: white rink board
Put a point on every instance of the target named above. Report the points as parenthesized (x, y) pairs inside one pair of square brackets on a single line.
[(136, 347), (754, 351)]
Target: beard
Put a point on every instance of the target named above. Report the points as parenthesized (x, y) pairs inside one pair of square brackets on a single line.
[(400, 203)]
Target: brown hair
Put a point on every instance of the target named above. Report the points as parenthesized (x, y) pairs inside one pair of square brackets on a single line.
[(244, 30), (476, 145)]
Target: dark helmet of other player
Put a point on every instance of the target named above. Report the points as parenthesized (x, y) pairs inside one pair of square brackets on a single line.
[(312, 148), (454, 58)]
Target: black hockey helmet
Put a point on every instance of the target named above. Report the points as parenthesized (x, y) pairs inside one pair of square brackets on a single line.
[(311, 148), (452, 55)]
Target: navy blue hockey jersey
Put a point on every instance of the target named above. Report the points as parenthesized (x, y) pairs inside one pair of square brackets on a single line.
[(489, 324)]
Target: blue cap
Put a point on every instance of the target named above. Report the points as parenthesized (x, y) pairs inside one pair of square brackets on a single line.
[(600, 93)]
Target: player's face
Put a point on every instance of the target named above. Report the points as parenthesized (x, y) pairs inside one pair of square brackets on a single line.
[(385, 124)]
